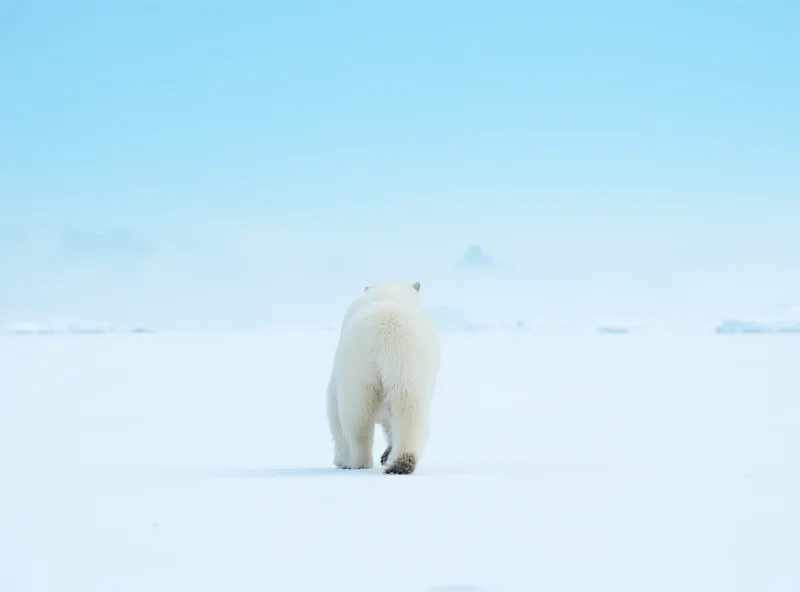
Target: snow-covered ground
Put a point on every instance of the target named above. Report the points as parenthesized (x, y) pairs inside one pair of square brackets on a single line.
[(172, 462)]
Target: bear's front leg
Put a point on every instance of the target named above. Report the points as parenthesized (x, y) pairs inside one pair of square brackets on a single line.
[(341, 456), (387, 430), (361, 449), (360, 433), (341, 451), (358, 423), (385, 455)]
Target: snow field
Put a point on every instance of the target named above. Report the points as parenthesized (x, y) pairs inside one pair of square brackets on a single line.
[(203, 462)]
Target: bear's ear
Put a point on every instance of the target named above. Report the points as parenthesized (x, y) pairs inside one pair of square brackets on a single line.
[(416, 286)]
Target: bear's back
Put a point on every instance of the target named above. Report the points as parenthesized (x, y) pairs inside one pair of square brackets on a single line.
[(382, 328)]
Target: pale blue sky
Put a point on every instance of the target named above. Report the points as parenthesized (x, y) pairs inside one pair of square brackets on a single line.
[(232, 163)]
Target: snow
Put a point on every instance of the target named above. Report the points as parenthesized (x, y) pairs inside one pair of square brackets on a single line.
[(168, 461)]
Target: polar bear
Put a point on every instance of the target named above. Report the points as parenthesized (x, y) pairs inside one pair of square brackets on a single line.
[(384, 371)]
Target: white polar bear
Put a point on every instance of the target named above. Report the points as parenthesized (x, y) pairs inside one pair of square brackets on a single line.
[(384, 371)]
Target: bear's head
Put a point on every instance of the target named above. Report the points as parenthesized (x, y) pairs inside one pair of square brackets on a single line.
[(395, 291)]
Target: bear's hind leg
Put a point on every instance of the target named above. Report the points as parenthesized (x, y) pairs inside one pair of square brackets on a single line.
[(341, 453), (408, 424)]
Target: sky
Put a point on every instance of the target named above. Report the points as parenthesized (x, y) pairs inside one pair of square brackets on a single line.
[(242, 163)]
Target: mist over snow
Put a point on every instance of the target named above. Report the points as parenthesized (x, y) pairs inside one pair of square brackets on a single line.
[(249, 279)]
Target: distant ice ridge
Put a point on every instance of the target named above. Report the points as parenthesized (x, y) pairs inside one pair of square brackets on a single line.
[(447, 320), (454, 319), (70, 328), (613, 330), (476, 257), (785, 319), (731, 326)]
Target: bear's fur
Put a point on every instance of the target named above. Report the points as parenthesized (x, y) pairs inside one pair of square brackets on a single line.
[(384, 371)]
